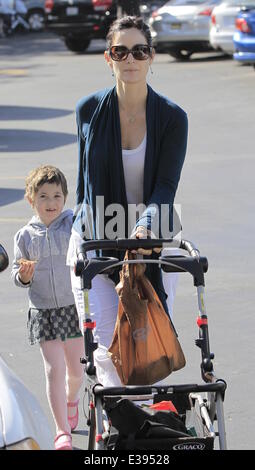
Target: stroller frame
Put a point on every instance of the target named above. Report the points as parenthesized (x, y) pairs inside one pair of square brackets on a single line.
[(207, 397)]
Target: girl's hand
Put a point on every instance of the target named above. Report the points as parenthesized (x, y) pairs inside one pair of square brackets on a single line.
[(142, 232), (26, 270)]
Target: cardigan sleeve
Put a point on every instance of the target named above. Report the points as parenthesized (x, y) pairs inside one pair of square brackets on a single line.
[(19, 252), (81, 162), (80, 175), (84, 111), (171, 159)]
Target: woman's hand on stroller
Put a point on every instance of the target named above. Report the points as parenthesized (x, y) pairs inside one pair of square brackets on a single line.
[(143, 232)]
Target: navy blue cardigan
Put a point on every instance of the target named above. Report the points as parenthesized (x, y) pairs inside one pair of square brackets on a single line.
[(100, 167)]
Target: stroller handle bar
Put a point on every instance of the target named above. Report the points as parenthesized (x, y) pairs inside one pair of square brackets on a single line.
[(87, 269), (123, 244), (217, 385)]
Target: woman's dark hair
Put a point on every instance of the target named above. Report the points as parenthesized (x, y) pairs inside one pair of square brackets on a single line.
[(127, 22)]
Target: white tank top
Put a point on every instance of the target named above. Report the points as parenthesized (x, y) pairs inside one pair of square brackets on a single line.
[(133, 164)]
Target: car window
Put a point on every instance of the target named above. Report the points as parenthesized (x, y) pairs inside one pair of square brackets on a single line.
[(239, 2), (190, 2)]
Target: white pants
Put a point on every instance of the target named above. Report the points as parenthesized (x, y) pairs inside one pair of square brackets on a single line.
[(103, 303)]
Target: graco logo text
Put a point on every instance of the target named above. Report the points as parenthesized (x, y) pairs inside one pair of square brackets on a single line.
[(189, 446)]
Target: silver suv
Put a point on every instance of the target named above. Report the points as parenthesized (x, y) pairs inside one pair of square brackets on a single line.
[(181, 27)]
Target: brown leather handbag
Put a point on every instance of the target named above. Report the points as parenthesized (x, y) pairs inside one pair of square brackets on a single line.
[(144, 347)]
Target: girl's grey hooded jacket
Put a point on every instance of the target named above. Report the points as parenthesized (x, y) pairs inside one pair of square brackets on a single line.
[(51, 284)]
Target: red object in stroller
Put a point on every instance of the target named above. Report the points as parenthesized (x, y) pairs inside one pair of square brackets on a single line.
[(200, 406)]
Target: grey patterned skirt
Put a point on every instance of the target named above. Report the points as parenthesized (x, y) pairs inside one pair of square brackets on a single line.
[(52, 323)]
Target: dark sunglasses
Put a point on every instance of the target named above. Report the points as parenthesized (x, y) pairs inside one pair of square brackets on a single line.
[(139, 52)]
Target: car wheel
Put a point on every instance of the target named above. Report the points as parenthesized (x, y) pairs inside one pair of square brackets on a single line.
[(76, 43), (36, 20), (180, 54)]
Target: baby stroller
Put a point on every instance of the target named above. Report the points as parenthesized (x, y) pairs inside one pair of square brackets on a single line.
[(115, 421)]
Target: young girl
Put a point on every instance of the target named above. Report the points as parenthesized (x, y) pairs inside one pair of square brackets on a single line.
[(39, 265)]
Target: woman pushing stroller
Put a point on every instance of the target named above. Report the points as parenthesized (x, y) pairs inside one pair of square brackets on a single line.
[(132, 145)]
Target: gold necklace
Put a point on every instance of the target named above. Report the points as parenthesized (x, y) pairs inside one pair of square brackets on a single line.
[(131, 118)]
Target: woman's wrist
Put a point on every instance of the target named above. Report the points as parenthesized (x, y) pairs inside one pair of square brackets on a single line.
[(144, 230)]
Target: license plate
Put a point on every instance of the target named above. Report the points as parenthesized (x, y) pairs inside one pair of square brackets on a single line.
[(176, 25), (72, 11)]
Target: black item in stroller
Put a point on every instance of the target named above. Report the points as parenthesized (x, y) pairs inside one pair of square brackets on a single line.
[(200, 418)]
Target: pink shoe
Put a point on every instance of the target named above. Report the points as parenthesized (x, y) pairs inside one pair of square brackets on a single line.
[(73, 421), (63, 444)]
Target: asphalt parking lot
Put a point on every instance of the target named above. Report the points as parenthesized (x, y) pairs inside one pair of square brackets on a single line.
[(40, 84)]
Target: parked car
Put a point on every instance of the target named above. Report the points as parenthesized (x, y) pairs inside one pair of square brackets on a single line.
[(23, 425), (222, 26), (181, 27), (244, 37), (35, 14), (148, 7), (79, 21)]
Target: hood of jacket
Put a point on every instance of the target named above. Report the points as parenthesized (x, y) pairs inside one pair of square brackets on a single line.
[(37, 224)]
